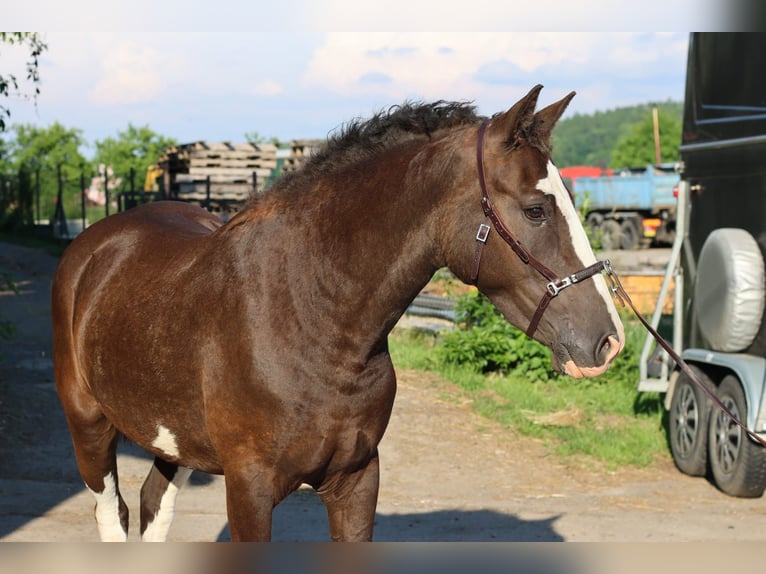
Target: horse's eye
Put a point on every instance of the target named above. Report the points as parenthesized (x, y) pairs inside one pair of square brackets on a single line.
[(535, 213)]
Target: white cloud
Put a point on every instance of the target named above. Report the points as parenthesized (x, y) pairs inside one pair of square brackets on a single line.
[(427, 64), (481, 65), (267, 88), (130, 74)]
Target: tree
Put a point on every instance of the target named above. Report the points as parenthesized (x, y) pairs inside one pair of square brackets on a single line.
[(589, 139), (636, 148), (45, 150), (135, 148), (9, 83), (257, 138)]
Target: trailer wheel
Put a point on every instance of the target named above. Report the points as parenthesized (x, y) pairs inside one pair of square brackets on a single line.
[(630, 236), (610, 234), (688, 425), (737, 463)]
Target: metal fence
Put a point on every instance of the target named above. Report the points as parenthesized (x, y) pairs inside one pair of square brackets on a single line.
[(62, 201)]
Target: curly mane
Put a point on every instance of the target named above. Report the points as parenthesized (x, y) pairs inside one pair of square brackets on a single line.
[(361, 139)]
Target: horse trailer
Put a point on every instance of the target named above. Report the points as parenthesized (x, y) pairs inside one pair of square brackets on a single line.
[(717, 262)]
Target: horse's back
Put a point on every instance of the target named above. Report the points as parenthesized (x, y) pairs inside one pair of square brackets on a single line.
[(172, 221), (161, 227)]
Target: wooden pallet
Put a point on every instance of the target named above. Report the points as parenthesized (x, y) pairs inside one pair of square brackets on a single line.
[(229, 166), (300, 151), (223, 174)]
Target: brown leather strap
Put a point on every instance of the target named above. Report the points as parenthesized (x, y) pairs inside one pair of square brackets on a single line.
[(623, 298), (555, 284), (481, 240), (489, 211), (541, 307)]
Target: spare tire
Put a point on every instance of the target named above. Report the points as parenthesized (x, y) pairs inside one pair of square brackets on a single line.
[(730, 290)]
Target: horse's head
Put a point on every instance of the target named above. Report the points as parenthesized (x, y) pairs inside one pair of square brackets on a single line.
[(523, 244)]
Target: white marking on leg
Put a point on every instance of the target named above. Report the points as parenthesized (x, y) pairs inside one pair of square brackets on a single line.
[(157, 529), (166, 442), (108, 512), (553, 185)]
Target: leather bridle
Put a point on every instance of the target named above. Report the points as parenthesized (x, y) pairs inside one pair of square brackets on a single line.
[(555, 283)]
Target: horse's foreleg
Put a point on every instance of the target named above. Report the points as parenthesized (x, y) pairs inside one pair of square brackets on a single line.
[(250, 501), (158, 499), (351, 501)]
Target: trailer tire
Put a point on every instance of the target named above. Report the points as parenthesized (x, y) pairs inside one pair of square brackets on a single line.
[(630, 234), (730, 290), (688, 425), (610, 235), (737, 463), (594, 220)]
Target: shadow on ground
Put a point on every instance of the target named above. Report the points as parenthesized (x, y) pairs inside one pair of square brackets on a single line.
[(302, 518)]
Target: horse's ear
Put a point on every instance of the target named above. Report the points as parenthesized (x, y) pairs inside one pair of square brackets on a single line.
[(518, 120), (546, 118)]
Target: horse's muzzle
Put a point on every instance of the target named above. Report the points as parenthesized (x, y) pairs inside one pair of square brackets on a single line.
[(605, 354)]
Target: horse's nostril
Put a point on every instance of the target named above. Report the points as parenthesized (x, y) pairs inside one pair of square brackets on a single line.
[(607, 349)]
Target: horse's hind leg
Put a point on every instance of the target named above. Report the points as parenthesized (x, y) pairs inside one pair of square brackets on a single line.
[(158, 499), (95, 446)]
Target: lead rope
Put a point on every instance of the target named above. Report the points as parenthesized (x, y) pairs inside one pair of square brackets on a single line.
[(622, 297)]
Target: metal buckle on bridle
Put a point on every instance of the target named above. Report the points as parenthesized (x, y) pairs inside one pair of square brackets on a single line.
[(483, 233), (556, 287), (614, 282)]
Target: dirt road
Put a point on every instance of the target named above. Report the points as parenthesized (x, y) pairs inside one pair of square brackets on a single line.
[(447, 474)]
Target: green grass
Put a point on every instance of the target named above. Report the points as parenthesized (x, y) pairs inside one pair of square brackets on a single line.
[(604, 419)]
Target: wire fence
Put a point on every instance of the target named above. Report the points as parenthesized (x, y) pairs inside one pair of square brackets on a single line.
[(62, 201)]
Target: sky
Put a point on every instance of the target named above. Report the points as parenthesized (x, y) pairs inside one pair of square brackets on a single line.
[(301, 82)]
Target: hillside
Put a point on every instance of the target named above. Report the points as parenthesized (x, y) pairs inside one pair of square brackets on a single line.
[(588, 139)]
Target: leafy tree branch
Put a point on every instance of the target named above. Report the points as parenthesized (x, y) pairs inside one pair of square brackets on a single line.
[(9, 82)]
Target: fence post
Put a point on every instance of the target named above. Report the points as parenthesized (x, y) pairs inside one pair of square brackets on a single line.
[(59, 217), (106, 190), (82, 199), (37, 194)]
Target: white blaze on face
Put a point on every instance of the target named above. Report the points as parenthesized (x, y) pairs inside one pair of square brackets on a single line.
[(108, 512), (166, 442), (553, 185)]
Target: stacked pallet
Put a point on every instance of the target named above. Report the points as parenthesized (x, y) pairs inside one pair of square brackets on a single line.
[(220, 176), (300, 151)]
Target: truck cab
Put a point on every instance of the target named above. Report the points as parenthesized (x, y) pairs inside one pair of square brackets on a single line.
[(717, 261)]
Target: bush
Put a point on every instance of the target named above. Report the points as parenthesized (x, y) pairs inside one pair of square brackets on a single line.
[(486, 342)]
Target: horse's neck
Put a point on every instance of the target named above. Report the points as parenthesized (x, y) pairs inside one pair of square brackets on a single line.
[(378, 237), (361, 251)]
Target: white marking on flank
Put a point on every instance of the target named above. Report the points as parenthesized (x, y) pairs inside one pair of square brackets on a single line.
[(108, 512), (553, 185), (166, 442), (157, 529)]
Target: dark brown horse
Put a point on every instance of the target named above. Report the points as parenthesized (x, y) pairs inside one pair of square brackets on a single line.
[(258, 348)]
